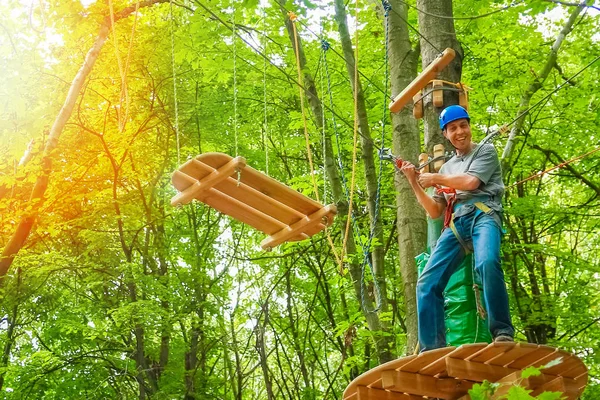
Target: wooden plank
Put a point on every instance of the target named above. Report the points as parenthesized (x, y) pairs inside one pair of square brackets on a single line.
[(555, 385), (492, 351), (568, 362), (368, 377), (518, 351), (368, 393), (242, 212), (474, 371), (247, 194), (208, 181), (424, 359), (577, 372), (298, 227), (515, 379), (422, 385), (461, 352), (266, 185), (529, 359), (422, 80)]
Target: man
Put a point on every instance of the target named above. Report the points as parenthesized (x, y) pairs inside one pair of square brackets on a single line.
[(470, 186)]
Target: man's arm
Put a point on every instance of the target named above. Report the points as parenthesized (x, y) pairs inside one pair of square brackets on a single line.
[(433, 208), (456, 181)]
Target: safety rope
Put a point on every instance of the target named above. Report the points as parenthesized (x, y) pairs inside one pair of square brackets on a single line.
[(293, 18), (365, 245), (562, 164), (354, 136), (174, 83), (265, 121)]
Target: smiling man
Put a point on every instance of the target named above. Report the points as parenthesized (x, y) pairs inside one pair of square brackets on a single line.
[(469, 191)]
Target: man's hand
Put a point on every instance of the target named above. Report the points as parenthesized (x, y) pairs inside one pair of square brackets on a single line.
[(409, 170), (426, 179)]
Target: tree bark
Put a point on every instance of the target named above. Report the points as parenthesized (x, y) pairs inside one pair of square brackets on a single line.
[(411, 224), (440, 35)]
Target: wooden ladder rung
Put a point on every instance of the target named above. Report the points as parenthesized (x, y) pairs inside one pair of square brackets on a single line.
[(422, 80), (293, 230), (206, 183)]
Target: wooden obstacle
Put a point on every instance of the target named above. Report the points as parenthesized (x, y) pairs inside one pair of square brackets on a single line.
[(255, 199), (449, 372), (422, 80)]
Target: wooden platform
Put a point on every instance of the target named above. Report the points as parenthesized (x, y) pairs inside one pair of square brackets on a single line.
[(448, 373), (256, 199)]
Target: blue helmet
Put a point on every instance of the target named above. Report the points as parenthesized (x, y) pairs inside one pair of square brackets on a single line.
[(452, 113)]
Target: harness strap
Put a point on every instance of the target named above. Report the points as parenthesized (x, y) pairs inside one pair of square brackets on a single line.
[(481, 206)]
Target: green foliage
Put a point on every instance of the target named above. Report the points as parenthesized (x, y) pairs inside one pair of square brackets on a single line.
[(115, 287)]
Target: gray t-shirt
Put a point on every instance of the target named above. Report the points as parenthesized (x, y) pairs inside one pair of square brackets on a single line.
[(486, 167)]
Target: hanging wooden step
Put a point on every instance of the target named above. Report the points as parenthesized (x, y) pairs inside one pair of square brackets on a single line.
[(422, 80), (256, 199), (449, 372)]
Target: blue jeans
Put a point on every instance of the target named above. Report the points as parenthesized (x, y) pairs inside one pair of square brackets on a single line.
[(480, 231)]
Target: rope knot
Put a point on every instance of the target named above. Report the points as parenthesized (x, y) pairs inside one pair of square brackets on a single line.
[(325, 45), (292, 16), (386, 6)]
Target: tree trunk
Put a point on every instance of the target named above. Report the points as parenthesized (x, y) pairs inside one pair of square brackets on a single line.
[(440, 32), (377, 255), (411, 224), (382, 340), (17, 241), (535, 85)]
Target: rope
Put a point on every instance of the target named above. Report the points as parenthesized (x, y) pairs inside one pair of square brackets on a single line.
[(118, 57), (365, 246), (417, 31), (293, 18), (322, 38), (174, 82), (235, 132), (354, 136), (265, 122), (542, 173), (124, 87)]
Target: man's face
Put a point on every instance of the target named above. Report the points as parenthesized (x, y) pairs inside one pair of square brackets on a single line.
[(459, 134)]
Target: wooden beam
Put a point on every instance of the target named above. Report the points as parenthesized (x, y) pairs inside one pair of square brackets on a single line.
[(249, 195), (423, 385), (422, 80), (369, 393), (207, 182), (475, 371), (298, 227)]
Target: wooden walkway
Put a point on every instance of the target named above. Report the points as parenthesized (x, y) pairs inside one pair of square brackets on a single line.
[(449, 373)]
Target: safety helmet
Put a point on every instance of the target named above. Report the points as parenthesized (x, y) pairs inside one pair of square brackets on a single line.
[(452, 113)]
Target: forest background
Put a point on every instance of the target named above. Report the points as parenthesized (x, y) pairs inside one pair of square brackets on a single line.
[(109, 292)]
